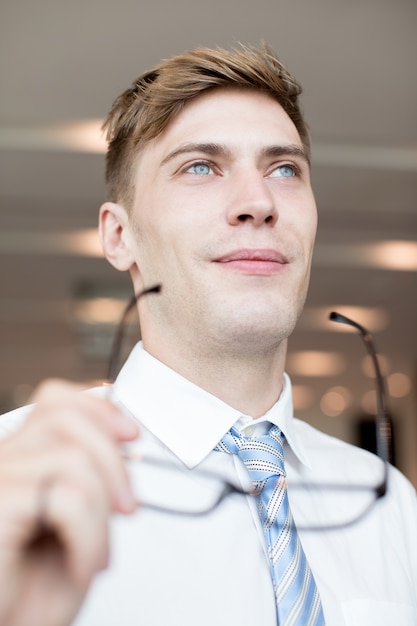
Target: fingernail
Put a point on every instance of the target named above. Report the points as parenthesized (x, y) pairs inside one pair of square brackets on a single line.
[(127, 426), (127, 501)]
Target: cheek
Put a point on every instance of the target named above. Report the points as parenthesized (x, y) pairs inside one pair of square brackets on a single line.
[(310, 226), (302, 231), (311, 230), (161, 249)]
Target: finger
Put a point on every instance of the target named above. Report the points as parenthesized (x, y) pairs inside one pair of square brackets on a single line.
[(79, 515), (56, 513), (64, 416), (55, 394), (65, 445)]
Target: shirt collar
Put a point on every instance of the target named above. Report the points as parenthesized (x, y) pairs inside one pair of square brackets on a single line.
[(187, 419)]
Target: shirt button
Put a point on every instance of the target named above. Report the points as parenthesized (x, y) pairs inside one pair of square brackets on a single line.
[(249, 430)]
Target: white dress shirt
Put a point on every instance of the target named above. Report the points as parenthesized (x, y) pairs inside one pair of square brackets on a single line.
[(213, 570)]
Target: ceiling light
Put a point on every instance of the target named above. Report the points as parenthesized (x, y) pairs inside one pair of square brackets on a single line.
[(317, 318), (399, 385), (98, 310), (335, 401), (368, 402), (78, 136), (387, 255), (394, 255), (313, 363), (82, 242)]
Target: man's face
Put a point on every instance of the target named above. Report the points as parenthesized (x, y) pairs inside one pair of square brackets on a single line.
[(224, 218)]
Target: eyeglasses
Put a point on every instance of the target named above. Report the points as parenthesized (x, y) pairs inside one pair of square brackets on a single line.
[(198, 492)]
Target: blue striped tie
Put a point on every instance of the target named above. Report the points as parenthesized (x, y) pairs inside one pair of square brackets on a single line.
[(297, 599)]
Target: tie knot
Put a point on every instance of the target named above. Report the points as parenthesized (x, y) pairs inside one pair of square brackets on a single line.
[(263, 456)]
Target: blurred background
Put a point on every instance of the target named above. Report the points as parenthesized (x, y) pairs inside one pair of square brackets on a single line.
[(61, 66)]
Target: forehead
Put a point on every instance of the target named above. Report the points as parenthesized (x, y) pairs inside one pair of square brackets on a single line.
[(228, 116)]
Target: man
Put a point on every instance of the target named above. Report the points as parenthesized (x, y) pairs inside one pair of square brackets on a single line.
[(209, 195)]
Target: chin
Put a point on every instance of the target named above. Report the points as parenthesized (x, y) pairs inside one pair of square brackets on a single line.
[(257, 333)]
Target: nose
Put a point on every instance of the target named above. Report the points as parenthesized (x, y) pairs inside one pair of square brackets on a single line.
[(251, 200)]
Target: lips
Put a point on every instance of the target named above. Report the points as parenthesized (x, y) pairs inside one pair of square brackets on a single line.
[(255, 255), (254, 261)]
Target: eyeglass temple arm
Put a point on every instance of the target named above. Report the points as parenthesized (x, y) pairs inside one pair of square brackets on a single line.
[(384, 434), (118, 339)]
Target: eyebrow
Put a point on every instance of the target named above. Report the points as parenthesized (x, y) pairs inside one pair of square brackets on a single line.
[(287, 150), (211, 149), (215, 149)]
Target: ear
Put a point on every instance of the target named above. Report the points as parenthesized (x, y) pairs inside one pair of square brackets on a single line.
[(113, 232)]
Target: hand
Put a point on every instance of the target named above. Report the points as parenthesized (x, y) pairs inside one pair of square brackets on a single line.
[(61, 476)]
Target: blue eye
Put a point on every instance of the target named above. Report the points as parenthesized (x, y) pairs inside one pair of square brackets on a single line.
[(286, 171), (199, 168)]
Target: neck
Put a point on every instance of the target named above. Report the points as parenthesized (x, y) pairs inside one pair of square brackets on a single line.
[(249, 381)]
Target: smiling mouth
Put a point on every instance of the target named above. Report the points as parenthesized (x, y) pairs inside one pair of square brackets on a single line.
[(256, 261)]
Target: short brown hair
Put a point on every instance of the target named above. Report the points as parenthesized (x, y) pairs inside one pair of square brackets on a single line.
[(143, 112)]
